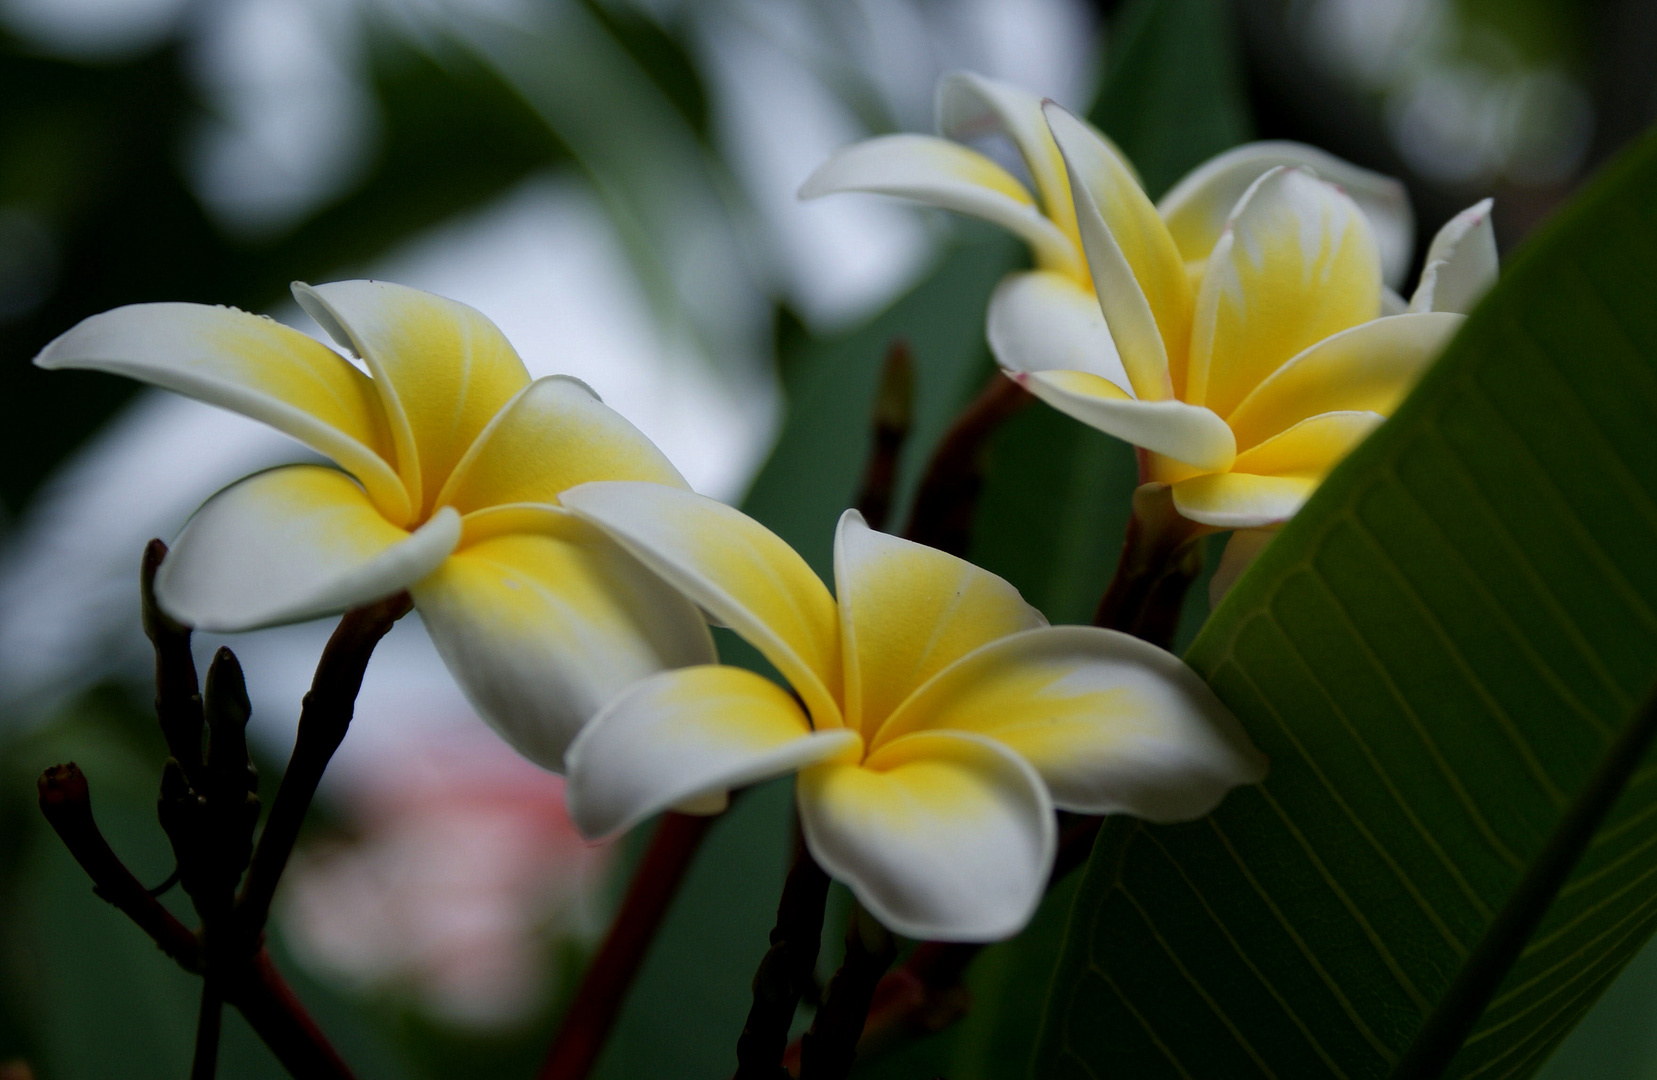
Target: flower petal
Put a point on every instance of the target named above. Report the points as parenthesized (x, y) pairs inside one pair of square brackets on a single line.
[(941, 835), (971, 106), (1196, 208), (1461, 263), (1112, 724), (940, 173), (554, 435), (291, 544), (688, 736), (1310, 448), (734, 568), (442, 369), (1136, 268), (1241, 550), (542, 630), (1042, 321), (1235, 500), (253, 366), (1370, 367), (908, 611), (1188, 433), (1296, 263)]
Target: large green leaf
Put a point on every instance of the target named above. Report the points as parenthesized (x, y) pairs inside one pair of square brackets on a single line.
[(1438, 654)]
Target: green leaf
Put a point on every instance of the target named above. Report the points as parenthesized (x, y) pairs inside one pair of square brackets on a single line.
[(1440, 655)]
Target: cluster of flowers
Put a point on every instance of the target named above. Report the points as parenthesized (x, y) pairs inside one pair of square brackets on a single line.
[(1240, 333)]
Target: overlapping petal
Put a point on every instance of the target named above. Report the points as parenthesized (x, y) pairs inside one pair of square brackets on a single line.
[(1188, 433), (1042, 321), (542, 630), (1461, 263), (443, 370), (1310, 448), (735, 569), (250, 365), (1138, 274), (1367, 368), (949, 176), (554, 435), (1236, 500), (940, 835), (1197, 208), (1111, 724), (289, 544), (684, 736), (1296, 264), (907, 611)]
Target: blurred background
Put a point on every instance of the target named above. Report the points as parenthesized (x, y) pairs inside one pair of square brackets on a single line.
[(612, 182)]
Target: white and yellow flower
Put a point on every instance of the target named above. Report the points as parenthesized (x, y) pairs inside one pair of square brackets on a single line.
[(936, 720), (450, 462), (1240, 331)]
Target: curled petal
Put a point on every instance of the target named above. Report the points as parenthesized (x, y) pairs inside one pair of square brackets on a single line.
[(1368, 368), (1197, 207), (1112, 724), (947, 175), (1042, 321), (941, 835), (735, 569), (1296, 263), (1241, 550), (1461, 263), (971, 106), (907, 611), (1310, 448), (291, 544), (554, 435), (1188, 433), (542, 630), (253, 366), (686, 737), (1142, 283), (443, 370), (1241, 500)]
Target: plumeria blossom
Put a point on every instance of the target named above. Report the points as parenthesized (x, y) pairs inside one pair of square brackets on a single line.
[(936, 720), (449, 465), (1241, 332)]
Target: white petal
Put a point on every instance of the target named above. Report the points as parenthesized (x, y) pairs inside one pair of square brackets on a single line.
[(1112, 724), (1042, 321), (1461, 263), (253, 366), (687, 737), (291, 544), (442, 368), (1188, 433), (735, 569), (542, 630), (1197, 207), (1241, 550), (941, 835), (950, 176)]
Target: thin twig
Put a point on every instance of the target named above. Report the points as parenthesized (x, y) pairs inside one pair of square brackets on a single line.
[(610, 973), (277, 1016), (323, 720), (787, 969), (894, 411), (206, 1060), (830, 1047), (948, 495), (177, 700)]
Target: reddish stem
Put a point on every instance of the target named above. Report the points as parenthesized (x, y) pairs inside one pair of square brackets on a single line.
[(604, 987), (948, 496)]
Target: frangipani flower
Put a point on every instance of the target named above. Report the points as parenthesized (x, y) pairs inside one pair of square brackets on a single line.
[(450, 461), (936, 719), (1235, 331)]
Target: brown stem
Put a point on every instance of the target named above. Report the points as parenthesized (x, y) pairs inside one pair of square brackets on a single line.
[(604, 987), (830, 1047), (1161, 557), (894, 409), (948, 494), (276, 1015), (786, 971), (206, 1060), (323, 720), (177, 700)]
